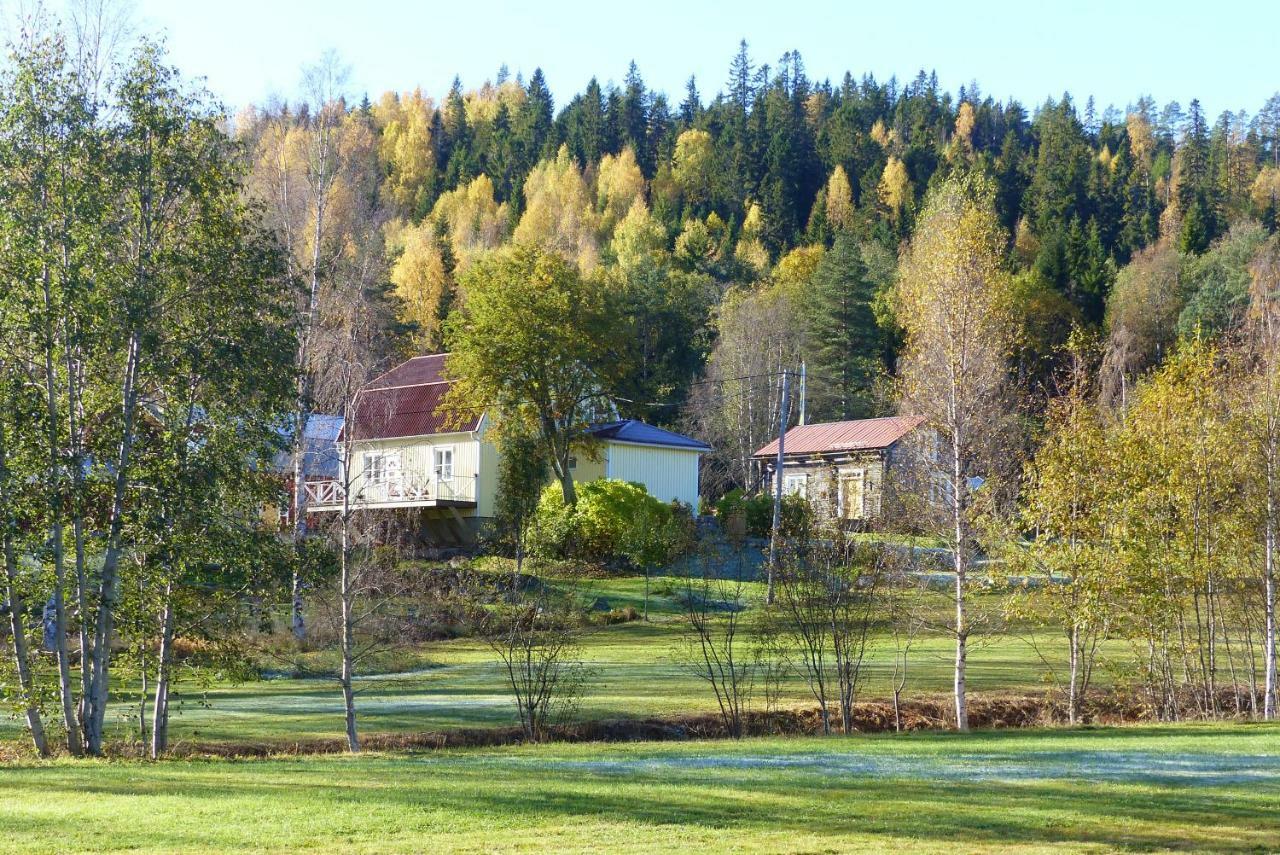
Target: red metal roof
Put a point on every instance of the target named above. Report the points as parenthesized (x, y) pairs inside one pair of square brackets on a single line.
[(405, 401), (412, 372), (858, 435)]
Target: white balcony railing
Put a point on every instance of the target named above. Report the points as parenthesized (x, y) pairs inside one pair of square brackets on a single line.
[(394, 490)]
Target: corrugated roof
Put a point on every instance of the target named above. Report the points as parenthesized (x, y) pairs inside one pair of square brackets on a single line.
[(857, 435), (319, 448), (412, 372), (631, 430), (405, 401)]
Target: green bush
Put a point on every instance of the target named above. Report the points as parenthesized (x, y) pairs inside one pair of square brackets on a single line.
[(757, 512), (612, 521)]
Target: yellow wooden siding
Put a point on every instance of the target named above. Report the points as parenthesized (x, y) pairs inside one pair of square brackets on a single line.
[(585, 469), (417, 462), (487, 483), (670, 474)]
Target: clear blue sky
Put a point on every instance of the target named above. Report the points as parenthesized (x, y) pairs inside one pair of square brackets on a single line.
[(1228, 55)]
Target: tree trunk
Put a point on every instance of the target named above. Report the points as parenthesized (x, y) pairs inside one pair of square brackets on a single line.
[(57, 538), (104, 627), (164, 660), (299, 530), (348, 664), (346, 597), (1073, 698), (74, 384), (82, 612), (21, 656), (962, 631), (567, 485), (1269, 692)]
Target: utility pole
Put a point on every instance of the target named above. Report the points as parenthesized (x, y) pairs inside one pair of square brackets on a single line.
[(804, 394), (784, 414)]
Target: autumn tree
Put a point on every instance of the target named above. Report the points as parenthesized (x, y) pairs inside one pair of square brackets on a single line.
[(559, 215), (1065, 506), (422, 281), (952, 303), (406, 148), (1260, 407), (530, 347), (472, 219), (839, 201)]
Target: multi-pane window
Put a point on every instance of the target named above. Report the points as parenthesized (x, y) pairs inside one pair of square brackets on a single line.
[(376, 467), (382, 471), (442, 460)]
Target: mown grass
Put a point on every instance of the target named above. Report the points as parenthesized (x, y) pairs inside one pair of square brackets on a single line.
[(1023, 791), (638, 670)]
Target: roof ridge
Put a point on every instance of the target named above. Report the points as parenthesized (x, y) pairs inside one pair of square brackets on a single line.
[(405, 386), (399, 365)]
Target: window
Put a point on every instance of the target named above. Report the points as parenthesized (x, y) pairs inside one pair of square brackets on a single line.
[(382, 470), (795, 485), (378, 466), (442, 462)]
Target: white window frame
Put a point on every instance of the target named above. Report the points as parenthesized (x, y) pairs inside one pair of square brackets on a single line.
[(442, 469), (796, 484), (378, 466)]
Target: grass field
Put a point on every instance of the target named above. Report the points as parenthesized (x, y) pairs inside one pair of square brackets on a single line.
[(637, 671), (1201, 788)]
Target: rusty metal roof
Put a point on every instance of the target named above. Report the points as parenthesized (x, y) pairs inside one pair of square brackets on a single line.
[(857, 435), (405, 401)]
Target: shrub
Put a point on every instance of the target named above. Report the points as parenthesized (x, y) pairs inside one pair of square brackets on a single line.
[(613, 520), (626, 614), (756, 513)]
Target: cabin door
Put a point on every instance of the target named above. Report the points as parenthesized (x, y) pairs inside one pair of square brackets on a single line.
[(853, 494)]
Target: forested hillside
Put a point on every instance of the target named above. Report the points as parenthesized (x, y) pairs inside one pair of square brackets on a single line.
[(713, 217), (1082, 309)]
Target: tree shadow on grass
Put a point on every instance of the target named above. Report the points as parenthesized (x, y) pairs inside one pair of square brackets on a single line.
[(374, 798)]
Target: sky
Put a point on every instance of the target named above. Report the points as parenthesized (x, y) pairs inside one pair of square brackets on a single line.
[(248, 50)]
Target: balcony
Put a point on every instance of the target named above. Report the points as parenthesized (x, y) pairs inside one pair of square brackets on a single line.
[(398, 491)]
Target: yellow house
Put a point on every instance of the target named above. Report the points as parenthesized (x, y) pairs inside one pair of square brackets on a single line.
[(404, 456)]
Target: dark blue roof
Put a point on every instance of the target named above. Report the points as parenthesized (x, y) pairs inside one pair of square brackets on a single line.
[(320, 450), (630, 430)]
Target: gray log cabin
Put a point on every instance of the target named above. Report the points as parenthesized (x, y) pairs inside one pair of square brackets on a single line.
[(840, 467)]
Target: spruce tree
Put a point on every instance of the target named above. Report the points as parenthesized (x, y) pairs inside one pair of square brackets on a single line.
[(844, 338)]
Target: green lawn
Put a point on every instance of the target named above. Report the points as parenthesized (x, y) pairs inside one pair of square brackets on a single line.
[(637, 671), (1202, 788)]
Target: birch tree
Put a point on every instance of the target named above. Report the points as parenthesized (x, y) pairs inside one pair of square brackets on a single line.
[(169, 170), (299, 173), (49, 183), (1066, 509), (951, 302), (1262, 406)]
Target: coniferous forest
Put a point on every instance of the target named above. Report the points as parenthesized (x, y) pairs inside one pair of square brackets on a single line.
[(1080, 304), (755, 223)]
